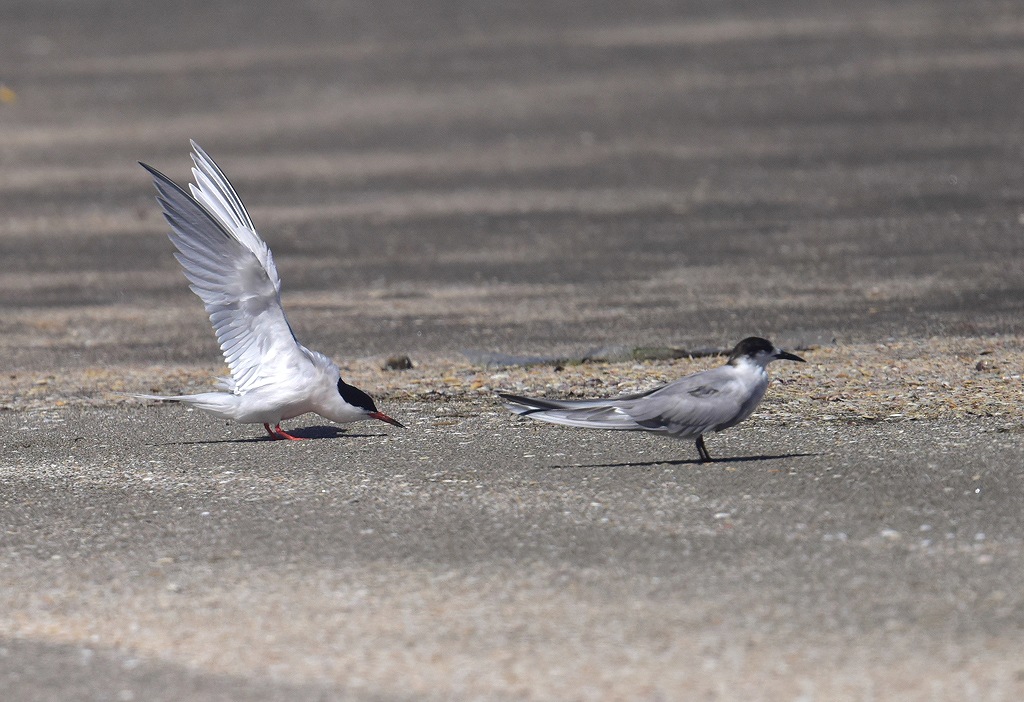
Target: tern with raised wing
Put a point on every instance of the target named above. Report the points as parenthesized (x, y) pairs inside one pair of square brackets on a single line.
[(688, 408), (273, 376)]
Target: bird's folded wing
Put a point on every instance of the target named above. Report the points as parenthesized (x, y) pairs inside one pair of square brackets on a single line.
[(231, 270), (691, 405), (604, 417)]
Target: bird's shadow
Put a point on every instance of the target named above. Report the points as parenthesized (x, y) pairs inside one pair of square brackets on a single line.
[(314, 432), (688, 461)]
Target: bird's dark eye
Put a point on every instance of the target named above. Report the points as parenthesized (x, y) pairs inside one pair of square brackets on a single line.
[(355, 397)]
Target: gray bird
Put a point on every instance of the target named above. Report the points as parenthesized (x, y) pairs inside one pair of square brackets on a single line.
[(692, 406)]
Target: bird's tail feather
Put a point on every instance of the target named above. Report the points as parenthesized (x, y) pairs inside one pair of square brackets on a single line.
[(219, 404), (527, 405), (591, 414), (522, 405)]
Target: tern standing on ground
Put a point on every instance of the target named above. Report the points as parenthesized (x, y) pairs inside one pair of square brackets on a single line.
[(273, 376), (711, 400)]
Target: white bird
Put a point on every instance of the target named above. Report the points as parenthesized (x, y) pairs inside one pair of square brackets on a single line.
[(273, 376), (688, 408)]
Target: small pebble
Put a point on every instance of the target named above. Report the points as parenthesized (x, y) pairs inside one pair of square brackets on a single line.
[(398, 363)]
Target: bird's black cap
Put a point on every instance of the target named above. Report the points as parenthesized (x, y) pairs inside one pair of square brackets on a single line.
[(753, 345), (355, 397)]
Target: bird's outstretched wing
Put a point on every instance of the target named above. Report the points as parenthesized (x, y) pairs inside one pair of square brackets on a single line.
[(232, 270), (213, 191)]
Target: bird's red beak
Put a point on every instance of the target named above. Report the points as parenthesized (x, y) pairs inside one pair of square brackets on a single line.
[(384, 418)]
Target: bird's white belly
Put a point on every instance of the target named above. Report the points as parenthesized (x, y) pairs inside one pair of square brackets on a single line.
[(271, 406)]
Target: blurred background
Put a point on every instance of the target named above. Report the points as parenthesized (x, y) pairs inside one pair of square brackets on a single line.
[(525, 177)]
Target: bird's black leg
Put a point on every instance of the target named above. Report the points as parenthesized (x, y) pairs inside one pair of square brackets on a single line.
[(703, 450)]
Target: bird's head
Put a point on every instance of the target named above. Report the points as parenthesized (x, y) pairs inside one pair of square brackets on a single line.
[(759, 351), (359, 399)]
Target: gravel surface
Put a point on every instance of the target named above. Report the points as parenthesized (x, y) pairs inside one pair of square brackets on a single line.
[(478, 555), (935, 378)]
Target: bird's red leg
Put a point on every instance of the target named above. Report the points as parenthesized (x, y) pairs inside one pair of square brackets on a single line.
[(278, 433), (282, 434)]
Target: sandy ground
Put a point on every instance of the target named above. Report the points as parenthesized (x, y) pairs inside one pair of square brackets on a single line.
[(536, 197)]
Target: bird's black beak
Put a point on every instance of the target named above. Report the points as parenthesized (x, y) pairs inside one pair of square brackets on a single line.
[(384, 418), (787, 356)]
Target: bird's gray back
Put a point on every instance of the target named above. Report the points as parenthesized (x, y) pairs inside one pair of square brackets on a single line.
[(709, 401)]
